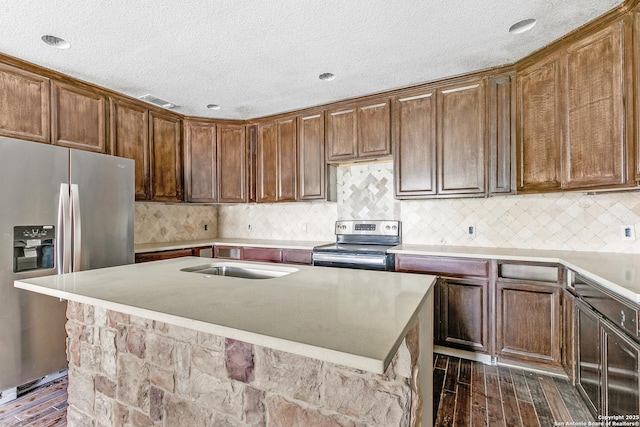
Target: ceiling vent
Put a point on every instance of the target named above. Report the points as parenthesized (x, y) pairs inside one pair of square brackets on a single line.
[(157, 101)]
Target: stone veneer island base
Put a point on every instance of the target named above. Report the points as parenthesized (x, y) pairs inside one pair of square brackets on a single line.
[(125, 370), (167, 344)]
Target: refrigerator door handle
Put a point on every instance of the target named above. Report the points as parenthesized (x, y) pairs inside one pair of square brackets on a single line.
[(77, 227), (63, 232)]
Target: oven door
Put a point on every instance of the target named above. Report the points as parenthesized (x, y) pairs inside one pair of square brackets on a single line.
[(382, 262)]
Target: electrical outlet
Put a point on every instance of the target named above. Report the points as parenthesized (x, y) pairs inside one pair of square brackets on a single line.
[(249, 228), (628, 232), (206, 227), (304, 227), (471, 230)]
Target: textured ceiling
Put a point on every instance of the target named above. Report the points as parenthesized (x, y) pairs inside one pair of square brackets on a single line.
[(256, 58)]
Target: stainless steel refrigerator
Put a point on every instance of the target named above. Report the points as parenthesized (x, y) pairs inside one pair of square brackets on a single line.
[(61, 210)]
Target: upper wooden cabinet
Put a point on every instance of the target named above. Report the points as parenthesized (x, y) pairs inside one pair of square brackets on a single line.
[(200, 161), (502, 116), (232, 158), (215, 162), (311, 157), (572, 122), (78, 118), (24, 104), (165, 144), (414, 140), (359, 132), (276, 161), (129, 137), (594, 141), (538, 128), (462, 139), (440, 140), (636, 77)]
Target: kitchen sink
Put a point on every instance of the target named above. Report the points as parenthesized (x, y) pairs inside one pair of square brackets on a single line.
[(241, 271)]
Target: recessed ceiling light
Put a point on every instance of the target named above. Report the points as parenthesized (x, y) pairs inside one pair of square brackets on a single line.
[(522, 26), (55, 42), (327, 77), (213, 107)]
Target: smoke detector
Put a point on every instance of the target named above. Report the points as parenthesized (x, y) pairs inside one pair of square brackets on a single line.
[(157, 101)]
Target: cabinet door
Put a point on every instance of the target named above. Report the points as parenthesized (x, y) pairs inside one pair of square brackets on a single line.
[(286, 159), (374, 130), (501, 135), (24, 104), (78, 118), (620, 369), (538, 127), (461, 139), (414, 144), (528, 326), (166, 157), (636, 96), (311, 157), (129, 138), (157, 256), (297, 256), (232, 164), (594, 139), (568, 335), (589, 355), (463, 314), (200, 161), (342, 134), (267, 171)]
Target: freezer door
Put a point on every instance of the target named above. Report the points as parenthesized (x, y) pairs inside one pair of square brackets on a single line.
[(32, 334), (102, 199)]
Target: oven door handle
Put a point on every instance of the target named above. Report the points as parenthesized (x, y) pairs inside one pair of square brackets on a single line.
[(375, 260)]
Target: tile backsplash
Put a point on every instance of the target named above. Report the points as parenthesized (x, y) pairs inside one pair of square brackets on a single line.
[(160, 222), (569, 221)]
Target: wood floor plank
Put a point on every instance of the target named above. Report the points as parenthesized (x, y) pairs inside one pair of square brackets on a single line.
[(451, 379), (32, 398), (465, 371), (463, 405), (495, 415), (543, 411), (528, 414), (558, 409), (509, 401), (441, 362), (438, 385), (478, 396), (44, 405), (573, 401), (520, 385), (446, 412)]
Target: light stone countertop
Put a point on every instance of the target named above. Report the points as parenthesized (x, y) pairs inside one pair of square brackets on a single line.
[(256, 243), (618, 272), (354, 318)]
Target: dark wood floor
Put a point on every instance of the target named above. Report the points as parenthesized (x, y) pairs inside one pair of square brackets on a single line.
[(470, 393), (45, 406), (466, 393)]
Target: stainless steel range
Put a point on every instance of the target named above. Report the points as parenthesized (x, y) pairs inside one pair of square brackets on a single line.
[(362, 245)]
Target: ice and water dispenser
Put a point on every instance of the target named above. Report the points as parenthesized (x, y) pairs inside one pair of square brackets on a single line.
[(33, 247)]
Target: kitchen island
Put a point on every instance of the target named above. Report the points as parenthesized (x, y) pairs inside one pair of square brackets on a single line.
[(151, 344)]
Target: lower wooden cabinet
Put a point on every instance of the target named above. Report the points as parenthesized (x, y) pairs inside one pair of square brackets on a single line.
[(462, 314), (528, 322), (608, 365)]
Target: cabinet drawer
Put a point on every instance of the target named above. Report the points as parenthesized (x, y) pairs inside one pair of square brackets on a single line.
[(156, 256), (262, 254), (529, 272), (296, 256), (228, 252), (442, 266)]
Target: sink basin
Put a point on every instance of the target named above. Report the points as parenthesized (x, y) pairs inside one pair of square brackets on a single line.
[(241, 271)]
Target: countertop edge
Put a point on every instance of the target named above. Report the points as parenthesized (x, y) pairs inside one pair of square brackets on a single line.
[(257, 243)]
